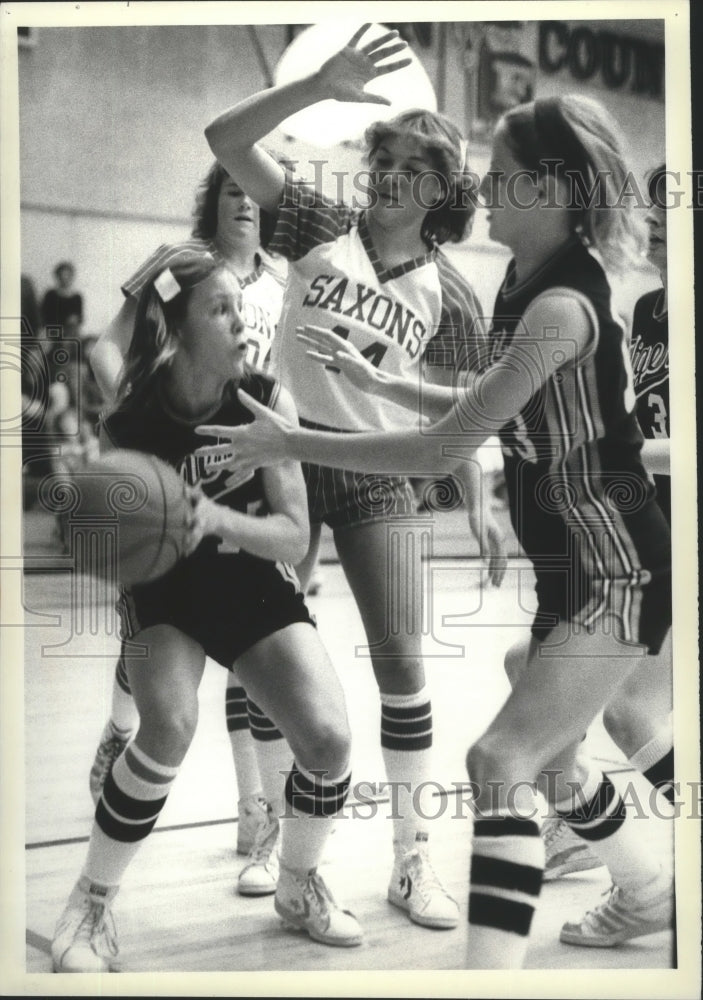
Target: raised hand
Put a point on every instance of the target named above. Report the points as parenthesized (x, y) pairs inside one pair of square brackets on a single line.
[(344, 75), (332, 350)]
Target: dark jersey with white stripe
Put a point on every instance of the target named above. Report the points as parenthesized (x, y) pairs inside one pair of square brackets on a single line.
[(421, 310), (649, 351), (151, 426), (225, 599), (581, 502)]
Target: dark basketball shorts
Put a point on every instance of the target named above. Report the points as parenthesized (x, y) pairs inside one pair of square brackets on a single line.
[(227, 603), (340, 499), (640, 608)]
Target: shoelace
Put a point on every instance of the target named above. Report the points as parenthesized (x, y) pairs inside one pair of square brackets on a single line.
[(553, 832), (264, 842), (112, 748), (316, 891), (425, 877), (594, 915), (97, 923)]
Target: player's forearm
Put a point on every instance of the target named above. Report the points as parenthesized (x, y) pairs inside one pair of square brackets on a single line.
[(406, 452), (424, 398), (278, 537), (106, 362), (244, 124), (656, 456)]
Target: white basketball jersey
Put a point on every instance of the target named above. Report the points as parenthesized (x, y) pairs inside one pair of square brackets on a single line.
[(420, 310)]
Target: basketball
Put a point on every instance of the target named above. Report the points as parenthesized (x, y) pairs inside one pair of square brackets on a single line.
[(135, 509)]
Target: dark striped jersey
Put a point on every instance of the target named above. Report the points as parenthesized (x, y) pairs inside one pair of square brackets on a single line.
[(262, 292), (152, 426), (398, 316), (581, 502), (649, 351)]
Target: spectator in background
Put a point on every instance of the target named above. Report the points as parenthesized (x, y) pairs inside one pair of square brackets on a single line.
[(63, 306)]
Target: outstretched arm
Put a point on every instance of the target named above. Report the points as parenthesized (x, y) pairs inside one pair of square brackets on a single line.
[(496, 396), (233, 135)]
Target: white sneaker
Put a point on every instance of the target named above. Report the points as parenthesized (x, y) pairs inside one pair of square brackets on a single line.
[(85, 939), (305, 903), (624, 915), (252, 816), (565, 851), (415, 888), (259, 877), (112, 743)]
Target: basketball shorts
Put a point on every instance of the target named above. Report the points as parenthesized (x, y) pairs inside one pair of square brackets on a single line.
[(341, 499), (227, 603), (640, 608), (636, 604)]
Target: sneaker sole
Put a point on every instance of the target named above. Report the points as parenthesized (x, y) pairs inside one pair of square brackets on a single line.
[(580, 940), (573, 865), (257, 890), (296, 923), (440, 924)]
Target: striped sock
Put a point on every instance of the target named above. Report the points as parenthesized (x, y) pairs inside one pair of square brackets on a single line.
[(507, 862), (243, 750), (614, 831), (406, 744), (123, 712), (132, 798), (273, 755), (656, 761), (312, 802)]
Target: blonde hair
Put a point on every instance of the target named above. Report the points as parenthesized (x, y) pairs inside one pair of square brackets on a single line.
[(578, 134)]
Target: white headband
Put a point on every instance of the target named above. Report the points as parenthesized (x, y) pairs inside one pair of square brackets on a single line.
[(167, 286)]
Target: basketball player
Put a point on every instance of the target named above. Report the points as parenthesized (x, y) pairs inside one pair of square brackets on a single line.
[(638, 719), (379, 279), (227, 224), (234, 598), (558, 383)]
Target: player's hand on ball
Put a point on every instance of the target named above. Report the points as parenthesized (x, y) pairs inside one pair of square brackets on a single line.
[(247, 447), (338, 354), (344, 76)]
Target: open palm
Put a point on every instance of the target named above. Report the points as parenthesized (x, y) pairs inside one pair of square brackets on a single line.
[(344, 75)]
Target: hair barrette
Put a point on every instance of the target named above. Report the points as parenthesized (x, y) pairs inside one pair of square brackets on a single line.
[(166, 285)]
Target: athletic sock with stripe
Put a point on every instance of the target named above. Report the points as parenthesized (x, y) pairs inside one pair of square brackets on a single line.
[(273, 755), (246, 766), (134, 794), (614, 830), (507, 861), (406, 744), (312, 801)]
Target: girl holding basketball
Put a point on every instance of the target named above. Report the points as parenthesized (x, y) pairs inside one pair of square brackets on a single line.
[(234, 598), (227, 224), (379, 279), (557, 387)]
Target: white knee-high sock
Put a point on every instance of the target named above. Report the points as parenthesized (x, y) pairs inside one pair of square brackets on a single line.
[(123, 712), (312, 802), (507, 861), (406, 744), (614, 831), (656, 761), (132, 798), (273, 756), (246, 766)]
